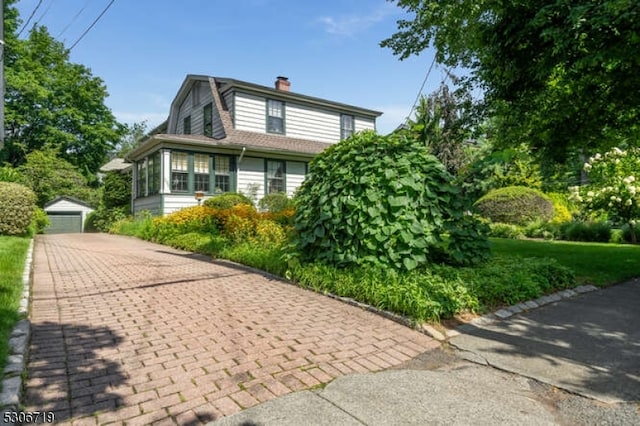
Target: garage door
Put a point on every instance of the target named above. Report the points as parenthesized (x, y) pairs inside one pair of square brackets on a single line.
[(62, 223)]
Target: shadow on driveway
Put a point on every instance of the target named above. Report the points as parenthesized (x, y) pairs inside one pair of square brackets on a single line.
[(68, 373), (589, 344)]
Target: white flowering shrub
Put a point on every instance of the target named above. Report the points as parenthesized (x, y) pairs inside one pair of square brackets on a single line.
[(614, 186)]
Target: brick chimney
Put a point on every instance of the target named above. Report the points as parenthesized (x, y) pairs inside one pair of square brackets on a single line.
[(282, 83)]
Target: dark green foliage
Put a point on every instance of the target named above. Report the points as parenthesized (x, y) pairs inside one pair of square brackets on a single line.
[(101, 219), (560, 75), (17, 206), (586, 231), (379, 200), (275, 202), (116, 190), (53, 102), (228, 200), (50, 176), (517, 205)]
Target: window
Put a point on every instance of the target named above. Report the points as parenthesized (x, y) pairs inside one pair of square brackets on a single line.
[(275, 117), (154, 173), (141, 184), (195, 95), (186, 125), (222, 174), (346, 126), (275, 176), (179, 171), (208, 119), (201, 172)]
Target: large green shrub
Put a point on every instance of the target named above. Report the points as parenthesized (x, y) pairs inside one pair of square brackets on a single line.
[(227, 200), (17, 206), (517, 205), (275, 202), (382, 200), (586, 231)]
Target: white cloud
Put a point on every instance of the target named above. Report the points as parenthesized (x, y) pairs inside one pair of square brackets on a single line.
[(349, 25)]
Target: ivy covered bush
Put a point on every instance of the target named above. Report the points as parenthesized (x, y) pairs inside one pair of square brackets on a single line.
[(516, 205), (17, 207), (383, 200)]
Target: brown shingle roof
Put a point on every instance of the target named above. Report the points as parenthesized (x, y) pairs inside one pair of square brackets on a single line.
[(239, 139)]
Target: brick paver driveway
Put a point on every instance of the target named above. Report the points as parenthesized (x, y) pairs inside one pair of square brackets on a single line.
[(138, 333)]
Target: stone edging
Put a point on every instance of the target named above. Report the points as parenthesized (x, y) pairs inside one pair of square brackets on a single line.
[(18, 345), (509, 311)]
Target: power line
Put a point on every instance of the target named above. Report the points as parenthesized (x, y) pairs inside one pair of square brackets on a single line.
[(92, 24), (73, 19), (30, 17), (43, 13), (426, 77)]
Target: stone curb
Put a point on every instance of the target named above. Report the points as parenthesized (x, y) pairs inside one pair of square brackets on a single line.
[(510, 311), (18, 346)]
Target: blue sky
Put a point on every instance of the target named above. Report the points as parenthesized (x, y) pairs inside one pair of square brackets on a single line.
[(143, 49)]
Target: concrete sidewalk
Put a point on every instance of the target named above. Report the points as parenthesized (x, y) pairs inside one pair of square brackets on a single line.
[(589, 344)]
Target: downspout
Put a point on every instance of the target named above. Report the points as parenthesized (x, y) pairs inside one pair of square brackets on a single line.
[(241, 155)]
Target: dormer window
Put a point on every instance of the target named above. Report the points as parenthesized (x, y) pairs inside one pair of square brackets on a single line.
[(275, 116), (347, 126)]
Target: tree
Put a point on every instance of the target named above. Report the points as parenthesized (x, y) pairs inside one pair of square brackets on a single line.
[(614, 186), (561, 75), (51, 102), (50, 176), (442, 123), (132, 136)]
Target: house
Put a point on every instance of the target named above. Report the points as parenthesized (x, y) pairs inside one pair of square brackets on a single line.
[(66, 215), (225, 135)]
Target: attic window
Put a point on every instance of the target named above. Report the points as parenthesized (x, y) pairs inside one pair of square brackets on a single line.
[(186, 125), (346, 126), (275, 116)]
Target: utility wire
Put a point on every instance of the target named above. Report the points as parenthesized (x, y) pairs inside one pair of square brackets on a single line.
[(426, 77), (30, 17), (92, 24), (43, 14), (73, 19)]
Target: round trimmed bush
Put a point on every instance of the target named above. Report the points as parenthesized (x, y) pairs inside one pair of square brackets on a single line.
[(275, 202), (385, 201), (227, 200), (17, 207), (517, 205)]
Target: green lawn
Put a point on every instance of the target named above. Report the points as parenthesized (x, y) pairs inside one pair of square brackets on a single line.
[(593, 263), (13, 252)]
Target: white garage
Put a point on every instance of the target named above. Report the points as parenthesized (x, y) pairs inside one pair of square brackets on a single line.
[(66, 215)]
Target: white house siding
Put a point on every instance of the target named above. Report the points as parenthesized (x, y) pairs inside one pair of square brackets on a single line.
[(251, 171), (364, 124), (150, 204), (311, 123), (295, 176), (250, 112)]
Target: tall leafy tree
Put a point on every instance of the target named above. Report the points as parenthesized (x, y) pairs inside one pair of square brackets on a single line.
[(52, 102), (442, 123), (561, 75)]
